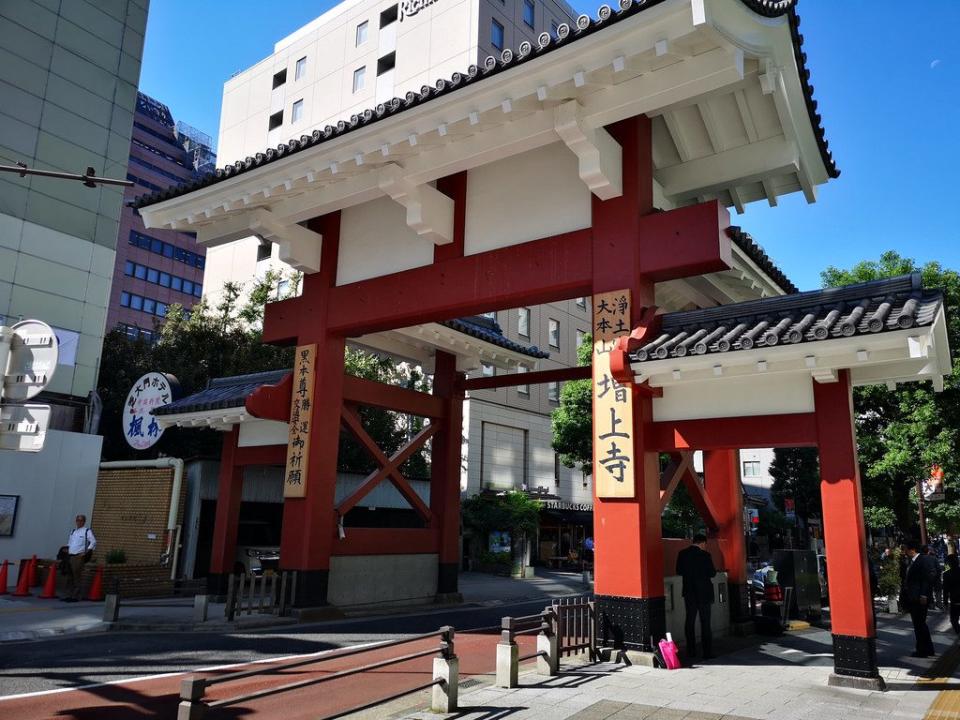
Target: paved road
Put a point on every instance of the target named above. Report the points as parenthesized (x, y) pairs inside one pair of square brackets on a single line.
[(101, 658)]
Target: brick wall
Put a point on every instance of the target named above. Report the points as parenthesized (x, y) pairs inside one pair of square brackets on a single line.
[(130, 513)]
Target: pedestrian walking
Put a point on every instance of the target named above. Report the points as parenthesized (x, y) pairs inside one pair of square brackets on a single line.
[(917, 592), (695, 566), (80, 546), (951, 590)]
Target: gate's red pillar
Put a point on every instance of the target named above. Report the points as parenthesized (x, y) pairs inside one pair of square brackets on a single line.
[(445, 472), (309, 523), (628, 558), (851, 602), (722, 485), (229, 493)]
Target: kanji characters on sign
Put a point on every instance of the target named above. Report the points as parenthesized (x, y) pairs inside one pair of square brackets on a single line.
[(298, 443)]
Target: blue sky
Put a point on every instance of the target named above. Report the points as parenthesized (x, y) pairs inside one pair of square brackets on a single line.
[(886, 75)]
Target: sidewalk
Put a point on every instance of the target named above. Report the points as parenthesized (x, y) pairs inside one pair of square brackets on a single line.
[(30, 618), (782, 678)]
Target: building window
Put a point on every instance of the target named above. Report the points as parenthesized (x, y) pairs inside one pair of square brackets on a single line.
[(177, 284), (128, 268), (161, 309), (140, 272), (556, 467), (553, 392), (153, 276), (361, 34), (554, 336), (386, 63), (496, 34), (582, 303), (164, 279), (358, 76), (523, 322), (197, 290), (280, 78), (188, 287), (580, 335), (751, 468), (490, 315), (554, 28), (124, 299), (301, 68), (296, 112), (149, 306), (528, 12), (523, 389), (488, 370), (388, 16), (276, 120), (136, 302), (263, 251)]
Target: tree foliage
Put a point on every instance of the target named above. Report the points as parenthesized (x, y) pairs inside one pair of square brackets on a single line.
[(902, 432), (796, 475), (515, 512), (573, 420)]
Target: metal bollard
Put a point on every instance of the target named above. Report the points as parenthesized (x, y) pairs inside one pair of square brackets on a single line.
[(111, 608), (508, 656), (191, 699), (201, 603), (446, 669), (548, 645)]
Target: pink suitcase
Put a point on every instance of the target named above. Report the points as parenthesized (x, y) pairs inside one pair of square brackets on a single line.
[(671, 655)]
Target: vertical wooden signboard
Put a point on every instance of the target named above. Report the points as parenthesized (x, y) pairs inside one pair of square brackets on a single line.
[(613, 460), (301, 410)]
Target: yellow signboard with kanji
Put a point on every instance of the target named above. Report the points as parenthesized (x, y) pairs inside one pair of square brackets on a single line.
[(301, 411), (612, 402)]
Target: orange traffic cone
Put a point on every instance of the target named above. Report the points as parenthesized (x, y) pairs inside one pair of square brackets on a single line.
[(50, 587), (22, 588), (96, 587), (32, 572), (3, 577)]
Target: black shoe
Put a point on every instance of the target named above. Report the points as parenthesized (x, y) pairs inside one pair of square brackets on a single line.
[(919, 655)]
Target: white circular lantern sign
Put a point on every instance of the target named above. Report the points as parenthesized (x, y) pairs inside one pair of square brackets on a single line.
[(150, 392)]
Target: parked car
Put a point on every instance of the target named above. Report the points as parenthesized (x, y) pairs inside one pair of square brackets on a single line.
[(258, 547)]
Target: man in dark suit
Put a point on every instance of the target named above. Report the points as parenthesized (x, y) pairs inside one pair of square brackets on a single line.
[(917, 593), (695, 566)]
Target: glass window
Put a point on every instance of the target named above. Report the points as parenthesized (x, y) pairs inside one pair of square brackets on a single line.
[(358, 76), (751, 468), (523, 322), (301, 68), (554, 338), (361, 33), (496, 34), (156, 246), (582, 303), (523, 389), (176, 283), (554, 28), (297, 112), (149, 306), (528, 11), (167, 250), (488, 370), (580, 335), (188, 287), (199, 261), (388, 16), (553, 392), (124, 299), (153, 276), (280, 78), (164, 279), (275, 120), (128, 268), (136, 302), (147, 335), (197, 289), (139, 272), (161, 309), (180, 254)]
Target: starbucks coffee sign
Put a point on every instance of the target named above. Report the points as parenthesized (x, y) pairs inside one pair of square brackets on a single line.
[(409, 8)]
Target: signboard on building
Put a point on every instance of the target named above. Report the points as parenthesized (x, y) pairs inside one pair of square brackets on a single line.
[(933, 486), (563, 505), (151, 391), (790, 509), (301, 413), (612, 402)]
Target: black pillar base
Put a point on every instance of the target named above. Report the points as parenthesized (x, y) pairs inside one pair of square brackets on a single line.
[(217, 584), (855, 657), (448, 578), (630, 623), (739, 602), (312, 588)]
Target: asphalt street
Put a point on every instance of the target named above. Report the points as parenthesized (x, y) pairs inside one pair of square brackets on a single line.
[(80, 660)]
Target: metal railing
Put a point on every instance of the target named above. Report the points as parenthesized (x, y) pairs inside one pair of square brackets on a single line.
[(245, 595), (445, 679)]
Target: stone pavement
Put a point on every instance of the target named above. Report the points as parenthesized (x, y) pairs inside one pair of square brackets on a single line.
[(782, 678)]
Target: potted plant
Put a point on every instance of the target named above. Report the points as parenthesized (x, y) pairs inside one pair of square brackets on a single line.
[(888, 581)]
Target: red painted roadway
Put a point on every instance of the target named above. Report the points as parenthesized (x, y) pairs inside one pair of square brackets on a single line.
[(158, 698)]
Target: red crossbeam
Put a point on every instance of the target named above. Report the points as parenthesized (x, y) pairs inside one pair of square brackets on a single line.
[(389, 467), (733, 433), (530, 378), (390, 397)]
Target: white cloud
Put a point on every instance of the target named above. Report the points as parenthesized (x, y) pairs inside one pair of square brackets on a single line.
[(934, 64)]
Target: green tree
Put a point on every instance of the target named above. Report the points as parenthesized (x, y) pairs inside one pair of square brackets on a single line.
[(902, 432), (796, 475), (573, 420)]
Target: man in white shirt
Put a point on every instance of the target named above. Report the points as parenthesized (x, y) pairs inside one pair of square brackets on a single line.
[(79, 545)]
